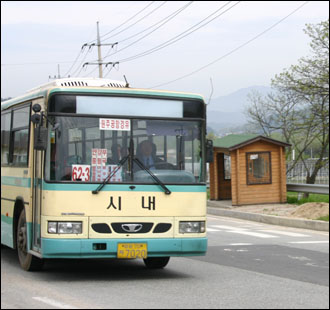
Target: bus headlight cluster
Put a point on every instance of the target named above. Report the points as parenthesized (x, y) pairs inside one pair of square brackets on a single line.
[(64, 227), (192, 227)]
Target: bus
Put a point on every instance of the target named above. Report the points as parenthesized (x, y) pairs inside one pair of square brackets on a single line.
[(92, 168)]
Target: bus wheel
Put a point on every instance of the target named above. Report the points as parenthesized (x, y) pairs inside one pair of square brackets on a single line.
[(156, 262), (27, 261)]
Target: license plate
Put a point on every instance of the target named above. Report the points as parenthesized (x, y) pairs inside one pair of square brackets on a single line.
[(132, 250)]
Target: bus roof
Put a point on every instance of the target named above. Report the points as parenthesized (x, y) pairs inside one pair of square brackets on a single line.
[(96, 85)]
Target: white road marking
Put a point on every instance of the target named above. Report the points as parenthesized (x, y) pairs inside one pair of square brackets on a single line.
[(285, 233), (254, 234), (309, 242), (228, 227), (212, 229), (240, 244), (301, 258), (227, 219), (54, 303)]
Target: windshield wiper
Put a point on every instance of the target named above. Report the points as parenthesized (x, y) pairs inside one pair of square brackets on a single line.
[(159, 182), (111, 174), (142, 166)]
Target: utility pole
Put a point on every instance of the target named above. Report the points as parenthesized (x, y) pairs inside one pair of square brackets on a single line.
[(99, 50), (98, 44)]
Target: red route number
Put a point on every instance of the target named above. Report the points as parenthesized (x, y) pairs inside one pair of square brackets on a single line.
[(81, 173)]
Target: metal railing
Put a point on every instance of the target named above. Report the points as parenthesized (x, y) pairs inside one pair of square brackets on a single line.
[(308, 188)]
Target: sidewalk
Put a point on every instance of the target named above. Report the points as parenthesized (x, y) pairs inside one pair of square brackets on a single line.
[(275, 214)]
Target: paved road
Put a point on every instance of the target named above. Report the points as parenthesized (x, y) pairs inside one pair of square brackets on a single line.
[(248, 265)]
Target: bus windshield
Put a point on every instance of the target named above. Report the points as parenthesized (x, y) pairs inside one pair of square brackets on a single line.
[(88, 149)]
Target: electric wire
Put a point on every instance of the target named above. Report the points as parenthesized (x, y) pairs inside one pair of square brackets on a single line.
[(37, 63), (125, 22), (163, 22), (108, 54), (181, 35), (129, 19), (167, 17), (89, 73), (235, 49), (80, 65), (142, 18), (75, 61)]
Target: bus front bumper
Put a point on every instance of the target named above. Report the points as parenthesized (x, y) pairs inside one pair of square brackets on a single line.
[(107, 248)]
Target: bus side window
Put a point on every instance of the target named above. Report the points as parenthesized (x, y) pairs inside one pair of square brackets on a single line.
[(20, 137), (5, 137)]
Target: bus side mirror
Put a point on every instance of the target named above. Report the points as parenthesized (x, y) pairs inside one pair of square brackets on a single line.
[(36, 108), (35, 119), (209, 151), (40, 138)]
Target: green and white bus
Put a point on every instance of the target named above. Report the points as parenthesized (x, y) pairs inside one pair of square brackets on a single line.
[(91, 168)]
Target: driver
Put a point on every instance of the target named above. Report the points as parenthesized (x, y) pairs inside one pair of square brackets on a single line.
[(146, 153)]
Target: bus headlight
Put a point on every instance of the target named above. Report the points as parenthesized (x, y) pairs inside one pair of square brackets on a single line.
[(64, 227), (192, 227)]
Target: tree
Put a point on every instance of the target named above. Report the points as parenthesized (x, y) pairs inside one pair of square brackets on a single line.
[(299, 105)]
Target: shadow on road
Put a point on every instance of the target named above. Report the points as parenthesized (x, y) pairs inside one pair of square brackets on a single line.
[(95, 269)]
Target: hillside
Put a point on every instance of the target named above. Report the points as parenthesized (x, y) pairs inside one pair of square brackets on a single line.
[(226, 113)]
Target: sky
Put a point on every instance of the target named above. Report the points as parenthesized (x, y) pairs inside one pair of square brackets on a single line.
[(213, 47)]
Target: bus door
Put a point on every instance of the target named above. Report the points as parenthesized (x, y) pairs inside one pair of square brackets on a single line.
[(36, 200), (40, 144)]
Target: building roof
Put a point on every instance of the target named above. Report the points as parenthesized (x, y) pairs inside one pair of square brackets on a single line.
[(236, 141)]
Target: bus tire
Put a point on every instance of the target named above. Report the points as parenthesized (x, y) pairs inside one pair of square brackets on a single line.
[(27, 261), (156, 262)]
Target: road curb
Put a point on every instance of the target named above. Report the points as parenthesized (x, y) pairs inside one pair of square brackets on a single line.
[(271, 219)]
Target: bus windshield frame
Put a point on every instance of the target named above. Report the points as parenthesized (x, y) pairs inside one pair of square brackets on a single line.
[(86, 147)]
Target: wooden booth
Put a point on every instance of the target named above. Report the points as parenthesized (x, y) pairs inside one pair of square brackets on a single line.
[(248, 169)]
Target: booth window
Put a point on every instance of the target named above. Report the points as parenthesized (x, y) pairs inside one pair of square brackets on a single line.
[(258, 168), (227, 167)]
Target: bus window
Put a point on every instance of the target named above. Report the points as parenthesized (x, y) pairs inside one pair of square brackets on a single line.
[(5, 136), (20, 137), (81, 150), (170, 148), (21, 143)]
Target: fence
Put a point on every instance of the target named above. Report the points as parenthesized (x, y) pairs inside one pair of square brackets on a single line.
[(299, 173), (308, 188)]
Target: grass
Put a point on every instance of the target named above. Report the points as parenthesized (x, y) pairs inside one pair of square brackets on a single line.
[(293, 198), (324, 218)]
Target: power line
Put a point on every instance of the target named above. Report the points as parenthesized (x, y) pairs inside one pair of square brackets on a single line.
[(142, 18), (234, 50), (80, 52), (37, 63), (183, 34), (98, 44), (167, 18), (174, 39), (125, 22), (146, 52), (163, 22), (75, 61)]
